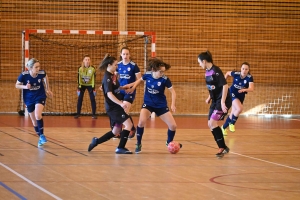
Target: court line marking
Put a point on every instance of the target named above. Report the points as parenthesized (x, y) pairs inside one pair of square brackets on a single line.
[(30, 182), (12, 191)]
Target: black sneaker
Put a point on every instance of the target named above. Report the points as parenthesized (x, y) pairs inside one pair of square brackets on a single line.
[(222, 152), (123, 151), (94, 116), (76, 116), (93, 144), (132, 133)]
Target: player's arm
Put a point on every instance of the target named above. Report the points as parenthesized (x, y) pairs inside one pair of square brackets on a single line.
[(112, 97), (208, 99), (249, 89), (47, 86), (227, 74), (224, 95), (19, 85), (173, 95), (131, 86)]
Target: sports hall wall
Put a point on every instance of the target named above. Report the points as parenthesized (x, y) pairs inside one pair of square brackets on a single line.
[(264, 33)]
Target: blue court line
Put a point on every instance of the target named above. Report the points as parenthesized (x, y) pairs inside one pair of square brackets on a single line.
[(12, 191)]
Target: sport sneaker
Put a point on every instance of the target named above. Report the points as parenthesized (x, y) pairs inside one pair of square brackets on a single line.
[(231, 127), (42, 140), (116, 137), (224, 131), (94, 117), (138, 148), (93, 144), (122, 151), (132, 133), (76, 116), (179, 144), (222, 152)]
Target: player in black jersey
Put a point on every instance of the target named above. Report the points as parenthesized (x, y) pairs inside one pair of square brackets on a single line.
[(115, 108), (218, 96)]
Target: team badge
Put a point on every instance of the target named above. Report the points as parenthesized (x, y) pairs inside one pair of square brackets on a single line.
[(152, 86), (245, 81), (39, 80), (108, 80), (159, 83), (128, 69)]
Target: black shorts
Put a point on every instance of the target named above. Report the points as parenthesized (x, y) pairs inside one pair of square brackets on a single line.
[(31, 107), (215, 110), (117, 116), (157, 111)]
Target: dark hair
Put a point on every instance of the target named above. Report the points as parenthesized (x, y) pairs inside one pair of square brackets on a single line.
[(125, 47), (206, 56), (246, 63), (155, 64), (107, 60)]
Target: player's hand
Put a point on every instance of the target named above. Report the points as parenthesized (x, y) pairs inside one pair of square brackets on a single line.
[(123, 105), (241, 91), (208, 100), (173, 108), (49, 94), (224, 108), (100, 88), (94, 92), (78, 92), (28, 85)]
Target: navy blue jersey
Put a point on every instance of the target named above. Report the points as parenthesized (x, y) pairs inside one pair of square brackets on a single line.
[(155, 90), (127, 73), (240, 83), (110, 83), (215, 81), (37, 91)]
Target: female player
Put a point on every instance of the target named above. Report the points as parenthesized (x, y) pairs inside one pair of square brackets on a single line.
[(115, 108), (219, 98), (241, 85), (128, 72), (35, 85), (155, 99), (86, 81)]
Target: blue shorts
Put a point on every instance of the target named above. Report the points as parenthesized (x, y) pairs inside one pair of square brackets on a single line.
[(239, 96), (128, 97), (31, 107), (157, 111)]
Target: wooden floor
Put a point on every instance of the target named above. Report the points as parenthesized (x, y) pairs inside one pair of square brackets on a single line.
[(264, 161)]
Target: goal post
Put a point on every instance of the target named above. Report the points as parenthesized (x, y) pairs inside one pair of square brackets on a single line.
[(60, 53)]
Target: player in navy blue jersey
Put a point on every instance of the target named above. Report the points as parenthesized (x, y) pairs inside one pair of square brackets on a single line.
[(35, 85), (155, 99), (128, 72), (218, 96), (241, 85), (114, 106)]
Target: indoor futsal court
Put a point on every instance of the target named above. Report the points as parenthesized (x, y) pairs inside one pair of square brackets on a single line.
[(263, 161)]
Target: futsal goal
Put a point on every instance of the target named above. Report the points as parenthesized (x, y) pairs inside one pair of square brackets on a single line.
[(60, 53)]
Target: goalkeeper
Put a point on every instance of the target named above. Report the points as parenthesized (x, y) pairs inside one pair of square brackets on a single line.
[(86, 81)]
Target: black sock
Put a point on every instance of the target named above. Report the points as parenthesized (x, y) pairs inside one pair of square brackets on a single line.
[(107, 136), (123, 138), (234, 119), (36, 128), (218, 135), (171, 135)]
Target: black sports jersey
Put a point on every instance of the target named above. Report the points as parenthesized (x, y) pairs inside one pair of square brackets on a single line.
[(215, 80), (110, 83)]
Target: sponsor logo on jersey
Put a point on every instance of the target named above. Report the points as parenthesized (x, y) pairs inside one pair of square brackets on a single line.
[(237, 86), (125, 76), (152, 91)]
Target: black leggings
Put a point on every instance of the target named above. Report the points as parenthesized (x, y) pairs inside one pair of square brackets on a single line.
[(92, 98)]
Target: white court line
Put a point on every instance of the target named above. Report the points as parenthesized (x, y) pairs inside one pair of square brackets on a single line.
[(265, 161), (30, 182)]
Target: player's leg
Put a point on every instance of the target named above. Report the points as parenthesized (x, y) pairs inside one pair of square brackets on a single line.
[(144, 116), (238, 108), (79, 101), (128, 100), (40, 122), (124, 137), (30, 109), (93, 101)]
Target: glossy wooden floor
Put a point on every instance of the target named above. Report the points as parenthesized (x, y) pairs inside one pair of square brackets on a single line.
[(264, 162)]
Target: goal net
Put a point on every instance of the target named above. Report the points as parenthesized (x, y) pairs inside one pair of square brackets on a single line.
[(60, 53)]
